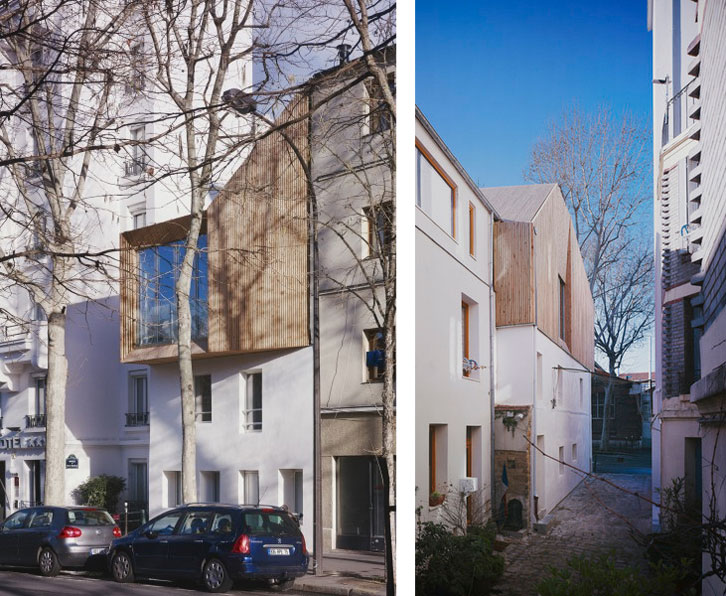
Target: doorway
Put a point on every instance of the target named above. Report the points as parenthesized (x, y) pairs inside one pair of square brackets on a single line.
[(360, 503)]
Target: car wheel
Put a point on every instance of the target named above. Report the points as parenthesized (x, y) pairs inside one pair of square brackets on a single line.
[(48, 562), (215, 577), (121, 568), (282, 585)]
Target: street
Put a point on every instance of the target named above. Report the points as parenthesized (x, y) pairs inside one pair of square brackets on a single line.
[(28, 583)]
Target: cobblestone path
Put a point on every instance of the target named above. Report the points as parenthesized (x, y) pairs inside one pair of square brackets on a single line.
[(581, 526)]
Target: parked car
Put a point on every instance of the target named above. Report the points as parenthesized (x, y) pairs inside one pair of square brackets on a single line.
[(215, 544), (55, 537)]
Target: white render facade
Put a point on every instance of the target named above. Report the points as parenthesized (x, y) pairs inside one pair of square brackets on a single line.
[(454, 299), (540, 375), (124, 419)]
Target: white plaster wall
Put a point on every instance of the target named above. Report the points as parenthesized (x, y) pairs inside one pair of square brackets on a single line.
[(565, 424), (515, 365), (285, 441), (568, 423)]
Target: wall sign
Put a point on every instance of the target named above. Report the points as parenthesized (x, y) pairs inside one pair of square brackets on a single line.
[(72, 462), (16, 442)]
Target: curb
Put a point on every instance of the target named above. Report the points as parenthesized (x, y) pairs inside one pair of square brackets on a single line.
[(338, 589)]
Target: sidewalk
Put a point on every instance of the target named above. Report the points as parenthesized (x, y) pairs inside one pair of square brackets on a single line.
[(347, 573)]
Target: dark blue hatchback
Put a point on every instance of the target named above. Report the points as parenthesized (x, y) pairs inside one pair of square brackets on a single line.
[(216, 544)]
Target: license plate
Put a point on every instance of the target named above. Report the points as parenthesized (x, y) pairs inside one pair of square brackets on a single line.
[(98, 551), (278, 551)]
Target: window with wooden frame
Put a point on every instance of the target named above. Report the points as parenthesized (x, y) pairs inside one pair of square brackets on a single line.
[(435, 191), (472, 230), (563, 310), (438, 469), (465, 338), (432, 459)]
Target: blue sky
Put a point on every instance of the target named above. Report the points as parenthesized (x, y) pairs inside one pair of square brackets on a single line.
[(491, 74)]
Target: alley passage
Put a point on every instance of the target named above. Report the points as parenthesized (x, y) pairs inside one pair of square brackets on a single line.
[(582, 526)]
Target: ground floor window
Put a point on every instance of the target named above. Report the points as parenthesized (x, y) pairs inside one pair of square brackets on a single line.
[(209, 487), (292, 489), (360, 502), (173, 481), (250, 489)]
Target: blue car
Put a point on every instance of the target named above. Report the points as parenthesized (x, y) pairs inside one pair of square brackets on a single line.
[(216, 544)]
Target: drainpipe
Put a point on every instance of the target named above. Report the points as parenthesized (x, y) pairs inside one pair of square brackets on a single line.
[(314, 258), (492, 378), (533, 451)]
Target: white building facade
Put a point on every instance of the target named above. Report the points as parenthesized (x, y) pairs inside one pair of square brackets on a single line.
[(454, 332)]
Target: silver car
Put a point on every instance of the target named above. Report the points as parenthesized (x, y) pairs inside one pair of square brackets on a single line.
[(53, 537)]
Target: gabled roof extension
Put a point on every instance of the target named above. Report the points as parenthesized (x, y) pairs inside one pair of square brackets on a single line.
[(518, 203)]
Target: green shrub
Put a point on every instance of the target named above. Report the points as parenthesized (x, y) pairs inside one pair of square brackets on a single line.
[(599, 576), (101, 491), (449, 565)]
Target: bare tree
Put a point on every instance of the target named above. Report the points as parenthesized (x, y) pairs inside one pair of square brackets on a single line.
[(194, 47), (601, 164), (624, 307), (56, 111)]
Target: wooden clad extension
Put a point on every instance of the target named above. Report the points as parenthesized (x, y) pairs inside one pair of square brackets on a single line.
[(530, 259), (257, 236), (557, 256), (513, 273), (258, 250)]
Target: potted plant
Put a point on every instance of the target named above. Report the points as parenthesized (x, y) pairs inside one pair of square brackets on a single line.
[(436, 498)]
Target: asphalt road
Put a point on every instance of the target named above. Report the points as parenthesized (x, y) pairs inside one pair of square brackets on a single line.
[(28, 583)]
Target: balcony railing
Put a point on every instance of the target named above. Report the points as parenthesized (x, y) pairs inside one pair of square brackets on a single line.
[(676, 119), (253, 419), (137, 419), (35, 421), (135, 166)]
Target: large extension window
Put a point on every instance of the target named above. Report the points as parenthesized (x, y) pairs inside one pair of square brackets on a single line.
[(159, 268), (435, 191)]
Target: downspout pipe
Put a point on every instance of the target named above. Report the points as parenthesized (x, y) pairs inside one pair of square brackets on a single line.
[(492, 376), (314, 259), (533, 451)]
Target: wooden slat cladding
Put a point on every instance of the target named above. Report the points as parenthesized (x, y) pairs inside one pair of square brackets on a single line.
[(513, 273), (528, 267), (128, 265), (258, 249), (557, 256), (257, 238)]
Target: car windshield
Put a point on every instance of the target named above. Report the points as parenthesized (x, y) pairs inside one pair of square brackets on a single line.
[(89, 517), (273, 523)]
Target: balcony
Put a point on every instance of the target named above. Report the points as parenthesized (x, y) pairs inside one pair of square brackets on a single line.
[(14, 340), (137, 419), (35, 421), (135, 166), (679, 110)]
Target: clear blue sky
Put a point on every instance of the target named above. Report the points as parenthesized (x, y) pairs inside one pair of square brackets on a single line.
[(491, 74)]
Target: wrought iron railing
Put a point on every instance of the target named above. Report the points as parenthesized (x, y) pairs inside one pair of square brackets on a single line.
[(137, 418), (135, 166), (35, 421)]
